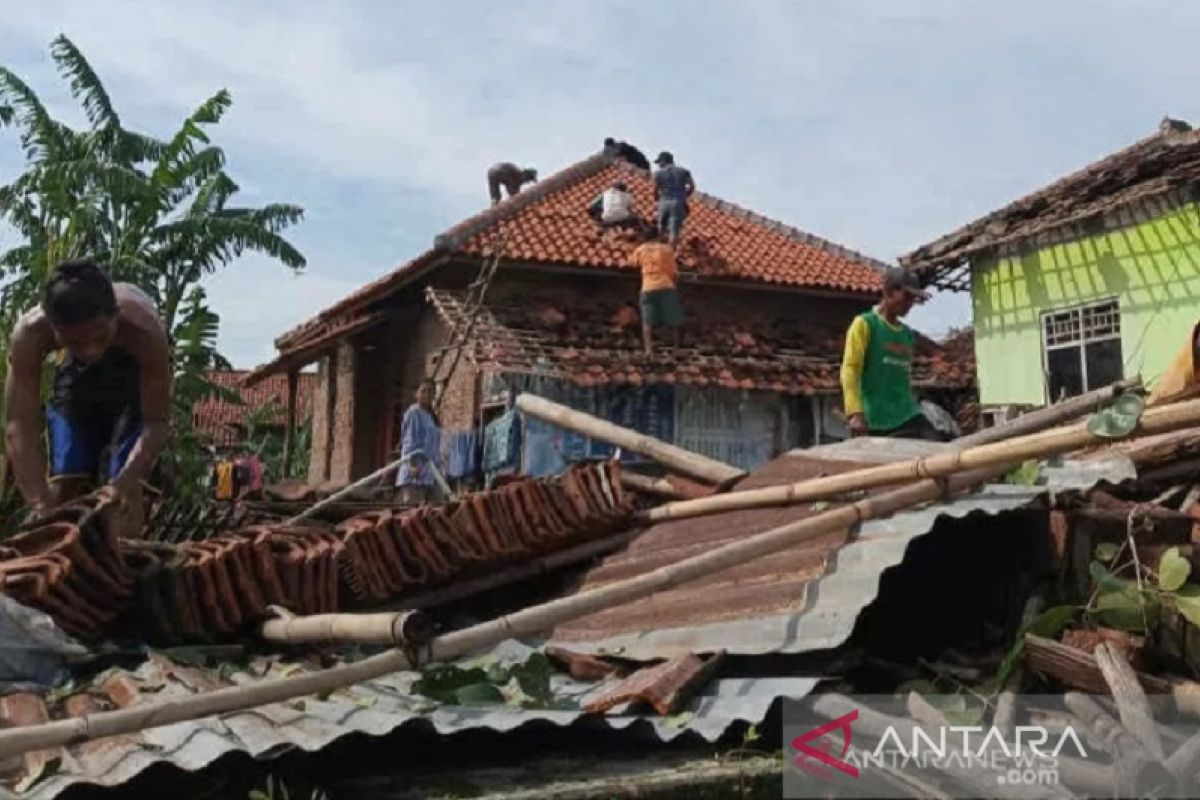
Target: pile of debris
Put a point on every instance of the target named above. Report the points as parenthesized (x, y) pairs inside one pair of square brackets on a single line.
[(197, 591)]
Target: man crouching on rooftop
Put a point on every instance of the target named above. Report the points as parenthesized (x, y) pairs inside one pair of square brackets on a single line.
[(107, 418)]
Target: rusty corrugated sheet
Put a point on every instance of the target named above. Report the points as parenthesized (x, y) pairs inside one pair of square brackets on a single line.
[(375, 708), (793, 601)]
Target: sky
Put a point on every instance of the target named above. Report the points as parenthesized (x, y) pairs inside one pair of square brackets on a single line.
[(880, 125)]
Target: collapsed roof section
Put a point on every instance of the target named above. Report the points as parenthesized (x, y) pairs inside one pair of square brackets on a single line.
[(582, 339), (1159, 170)]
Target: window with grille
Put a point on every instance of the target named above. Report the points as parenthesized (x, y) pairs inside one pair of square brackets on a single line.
[(1083, 348)]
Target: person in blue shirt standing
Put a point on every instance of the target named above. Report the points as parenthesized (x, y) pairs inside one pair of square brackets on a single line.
[(420, 444), (673, 185)]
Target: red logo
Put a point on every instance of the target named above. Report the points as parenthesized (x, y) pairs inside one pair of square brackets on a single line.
[(821, 751)]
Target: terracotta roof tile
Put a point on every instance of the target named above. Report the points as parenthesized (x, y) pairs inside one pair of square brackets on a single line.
[(548, 223), (790, 355)]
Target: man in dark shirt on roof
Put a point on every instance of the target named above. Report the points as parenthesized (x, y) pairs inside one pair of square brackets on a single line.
[(673, 186), (626, 152), (510, 176)]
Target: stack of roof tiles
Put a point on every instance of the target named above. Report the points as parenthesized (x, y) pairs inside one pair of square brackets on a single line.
[(199, 590), (387, 552), (596, 341), (83, 578), (69, 567)]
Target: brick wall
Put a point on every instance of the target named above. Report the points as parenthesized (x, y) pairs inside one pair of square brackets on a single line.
[(341, 455), (318, 462)]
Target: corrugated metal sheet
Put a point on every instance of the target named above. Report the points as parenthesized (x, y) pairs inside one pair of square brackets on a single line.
[(805, 599), (375, 708)]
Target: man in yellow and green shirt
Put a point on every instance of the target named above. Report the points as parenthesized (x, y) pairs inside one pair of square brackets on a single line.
[(877, 367), (659, 299)]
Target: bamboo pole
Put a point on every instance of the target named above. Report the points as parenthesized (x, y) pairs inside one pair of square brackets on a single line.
[(1064, 411), (649, 485), (395, 628), (521, 623), (344, 491), (937, 465), (675, 458)]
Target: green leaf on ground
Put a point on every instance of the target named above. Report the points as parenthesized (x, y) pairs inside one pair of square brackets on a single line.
[(679, 720), (1106, 551), (1187, 600), (1126, 609), (442, 682), (478, 694), (1173, 570), (1025, 475), (1048, 624), (1105, 580), (534, 677)]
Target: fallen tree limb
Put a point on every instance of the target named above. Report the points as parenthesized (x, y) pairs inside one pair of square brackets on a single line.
[(937, 465), (1006, 703)]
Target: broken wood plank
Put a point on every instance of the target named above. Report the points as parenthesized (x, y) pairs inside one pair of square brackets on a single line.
[(1138, 773), (1127, 692)]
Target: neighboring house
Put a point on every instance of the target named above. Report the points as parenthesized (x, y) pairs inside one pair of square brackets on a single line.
[(757, 373), (1094, 278), (224, 423)]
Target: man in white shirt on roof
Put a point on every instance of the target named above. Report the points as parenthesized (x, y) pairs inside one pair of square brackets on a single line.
[(613, 207)]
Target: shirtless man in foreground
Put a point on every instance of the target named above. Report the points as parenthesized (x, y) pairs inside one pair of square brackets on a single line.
[(107, 418)]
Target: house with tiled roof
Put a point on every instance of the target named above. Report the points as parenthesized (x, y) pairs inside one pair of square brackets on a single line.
[(756, 372), (222, 422), (1089, 280)]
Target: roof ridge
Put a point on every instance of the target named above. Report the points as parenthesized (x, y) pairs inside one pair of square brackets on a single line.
[(452, 237), (792, 232)]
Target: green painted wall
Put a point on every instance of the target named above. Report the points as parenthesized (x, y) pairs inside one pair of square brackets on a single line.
[(1152, 268)]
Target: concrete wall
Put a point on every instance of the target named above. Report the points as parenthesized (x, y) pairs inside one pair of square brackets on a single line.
[(1152, 268)]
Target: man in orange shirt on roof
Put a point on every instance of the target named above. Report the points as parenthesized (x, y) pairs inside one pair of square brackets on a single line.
[(659, 298)]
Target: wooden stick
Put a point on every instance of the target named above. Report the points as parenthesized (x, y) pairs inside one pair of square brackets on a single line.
[(1013, 451), (1127, 692), (527, 622), (1138, 773), (1185, 761), (1080, 670), (289, 431), (344, 491), (644, 483), (669, 455)]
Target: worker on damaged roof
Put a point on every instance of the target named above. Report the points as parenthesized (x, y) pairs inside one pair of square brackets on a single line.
[(110, 396), (420, 448), (673, 186), (659, 298), (510, 176), (877, 390)]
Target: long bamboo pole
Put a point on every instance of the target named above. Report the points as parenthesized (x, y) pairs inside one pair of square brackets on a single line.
[(15, 741), (937, 465), (677, 459), (1064, 411), (344, 491)]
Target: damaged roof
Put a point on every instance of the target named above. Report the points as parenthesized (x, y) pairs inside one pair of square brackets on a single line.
[(807, 598), (548, 224), (575, 335), (1159, 169), (374, 708)]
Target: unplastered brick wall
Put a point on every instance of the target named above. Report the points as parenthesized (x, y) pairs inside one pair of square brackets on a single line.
[(459, 395), (341, 458), (318, 462)]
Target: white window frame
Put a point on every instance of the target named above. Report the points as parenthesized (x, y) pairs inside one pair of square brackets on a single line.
[(1080, 338)]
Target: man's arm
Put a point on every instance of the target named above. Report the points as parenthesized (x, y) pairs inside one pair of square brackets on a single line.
[(689, 185), (23, 426), (154, 369), (853, 359), (596, 207)]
